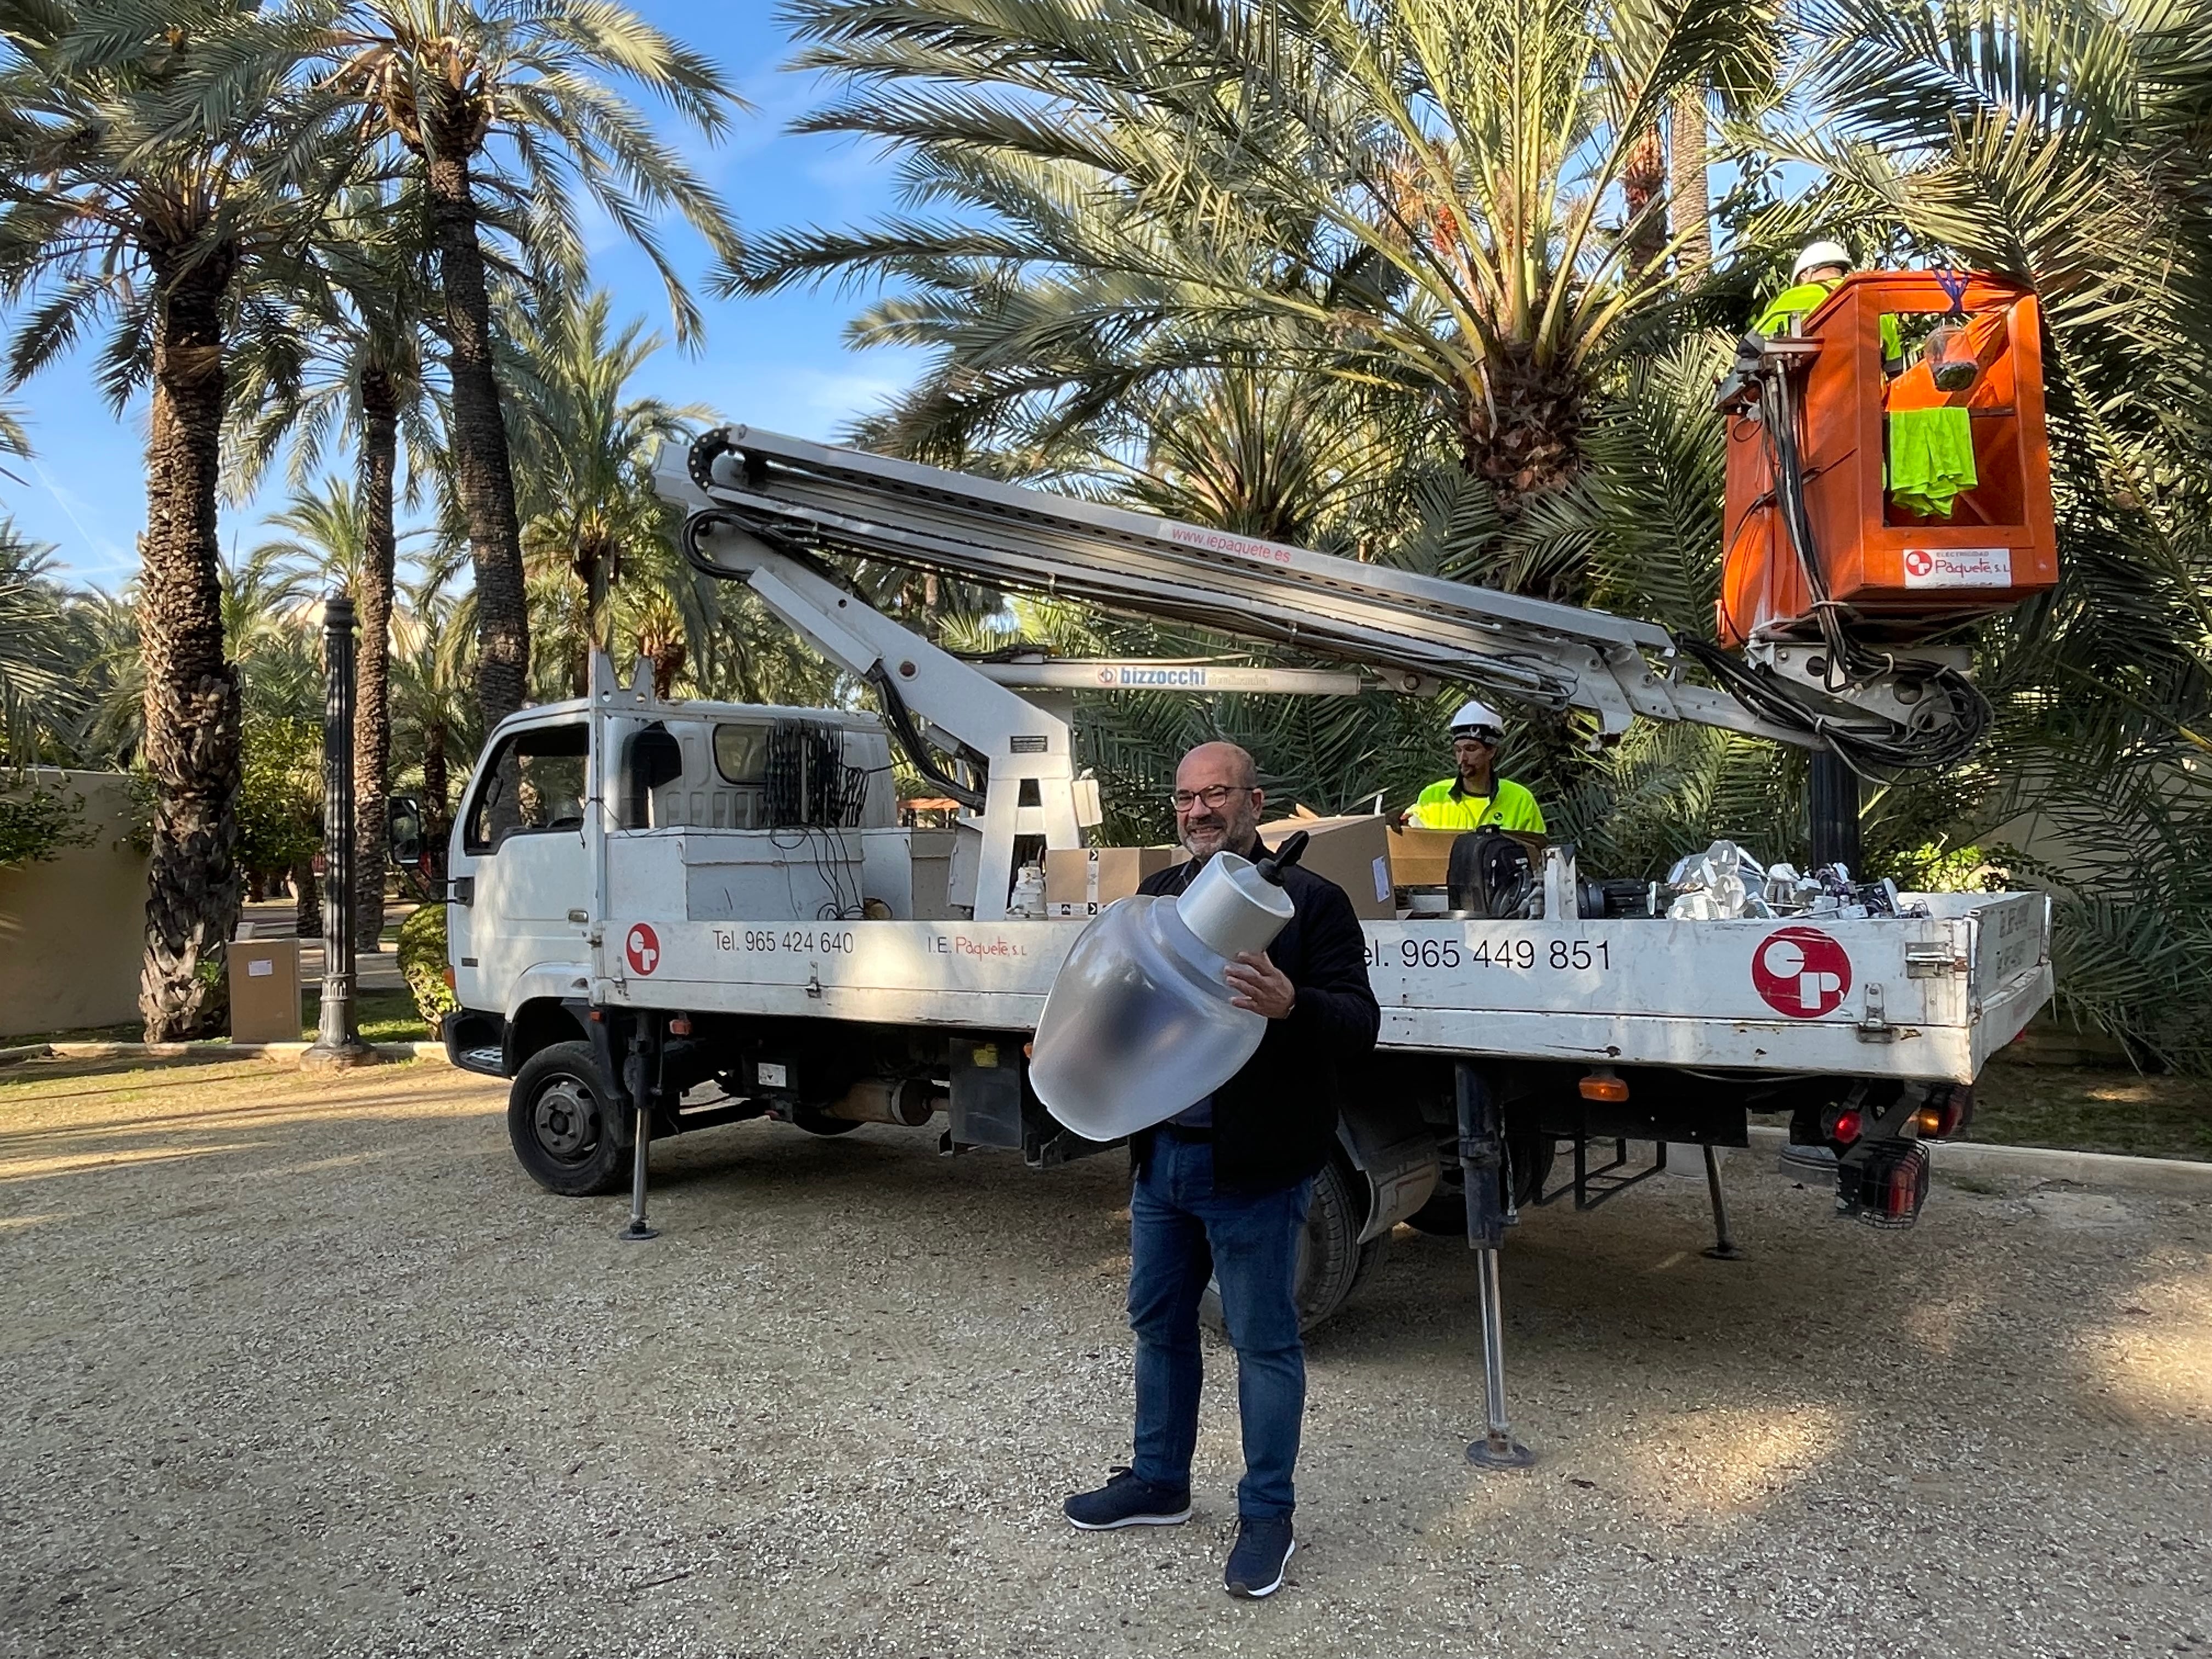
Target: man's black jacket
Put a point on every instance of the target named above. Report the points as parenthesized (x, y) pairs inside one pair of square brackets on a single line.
[(1275, 1121)]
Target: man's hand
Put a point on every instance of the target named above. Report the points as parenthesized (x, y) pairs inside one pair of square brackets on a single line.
[(1260, 986)]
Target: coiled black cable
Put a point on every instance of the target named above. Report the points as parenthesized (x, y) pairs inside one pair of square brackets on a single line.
[(1943, 728)]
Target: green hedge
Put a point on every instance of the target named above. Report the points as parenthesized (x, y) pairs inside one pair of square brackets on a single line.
[(422, 963)]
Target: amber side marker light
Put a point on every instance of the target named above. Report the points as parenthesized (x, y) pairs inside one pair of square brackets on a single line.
[(1603, 1084)]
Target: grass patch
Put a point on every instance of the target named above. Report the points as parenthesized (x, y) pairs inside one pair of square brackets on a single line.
[(387, 1015), (380, 1016), (2091, 1109)]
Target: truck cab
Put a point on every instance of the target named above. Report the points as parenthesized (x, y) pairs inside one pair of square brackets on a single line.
[(704, 812)]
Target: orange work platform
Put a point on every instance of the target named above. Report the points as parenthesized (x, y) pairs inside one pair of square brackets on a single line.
[(1903, 576)]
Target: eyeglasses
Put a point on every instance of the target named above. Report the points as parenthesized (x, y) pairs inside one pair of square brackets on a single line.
[(1216, 796)]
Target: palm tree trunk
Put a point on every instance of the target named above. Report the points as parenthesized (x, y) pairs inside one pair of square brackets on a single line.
[(191, 745), (306, 901), (1521, 430), (435, 828), (372, 714), (1642, 181), (1689, 197), (483, 475)]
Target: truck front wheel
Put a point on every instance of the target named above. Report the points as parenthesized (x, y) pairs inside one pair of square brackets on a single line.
[(560, 1115)]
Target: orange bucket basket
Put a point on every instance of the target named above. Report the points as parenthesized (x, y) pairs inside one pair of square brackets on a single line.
[(1903, 574)]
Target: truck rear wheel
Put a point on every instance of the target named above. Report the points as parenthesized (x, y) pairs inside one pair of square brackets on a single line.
[(1331, 1258), (1445, 1213), (560, 1115)]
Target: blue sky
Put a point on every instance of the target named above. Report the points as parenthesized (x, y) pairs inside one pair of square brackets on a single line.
[(778, 363)]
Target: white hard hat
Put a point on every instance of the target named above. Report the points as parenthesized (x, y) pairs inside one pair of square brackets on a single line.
[(1817, 254), (1474, 715)]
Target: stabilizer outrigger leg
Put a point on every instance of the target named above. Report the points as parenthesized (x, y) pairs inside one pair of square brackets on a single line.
[(1481, 1145), (635, 1071), (1723, 1248)]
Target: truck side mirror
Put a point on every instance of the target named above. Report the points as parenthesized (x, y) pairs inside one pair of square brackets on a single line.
[(403, 830)]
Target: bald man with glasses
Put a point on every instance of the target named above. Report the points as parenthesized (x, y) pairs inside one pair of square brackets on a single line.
[(1222, 1190)]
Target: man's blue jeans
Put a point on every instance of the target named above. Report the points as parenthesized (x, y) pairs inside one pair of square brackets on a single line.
[(1180, 1232)]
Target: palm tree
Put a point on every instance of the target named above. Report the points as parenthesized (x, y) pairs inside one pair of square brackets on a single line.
[(585, 445), (433, 705), (345, 353), (41, 701), (345, 534), (130, 196), (1689, 194), (1409, 194), (2074, 159), (103, 643), (502, 103)]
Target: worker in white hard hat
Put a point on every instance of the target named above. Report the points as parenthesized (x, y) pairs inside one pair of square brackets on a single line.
[(1812, 279), (1475, 795)]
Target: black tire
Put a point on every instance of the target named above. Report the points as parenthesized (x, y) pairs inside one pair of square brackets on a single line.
[(560, 1115), (1445, 1213), (1331, 1258)]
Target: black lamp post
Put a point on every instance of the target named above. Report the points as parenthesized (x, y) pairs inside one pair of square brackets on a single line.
[(337, 1042)]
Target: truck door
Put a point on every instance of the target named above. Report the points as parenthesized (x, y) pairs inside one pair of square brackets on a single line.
[(522, 858)]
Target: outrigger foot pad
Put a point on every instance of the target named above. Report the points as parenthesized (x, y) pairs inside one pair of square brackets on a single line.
[(1500, 1451)]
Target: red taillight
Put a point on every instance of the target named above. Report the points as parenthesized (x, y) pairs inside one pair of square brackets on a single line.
[(450, 986), (1843, 1125), (680, 1025)]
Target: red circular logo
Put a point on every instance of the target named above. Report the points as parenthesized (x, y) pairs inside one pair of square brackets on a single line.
[(1800, 972), (642, 947), (1918, 562)]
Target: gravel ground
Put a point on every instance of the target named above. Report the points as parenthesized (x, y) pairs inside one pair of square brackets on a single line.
[(300, 1367)]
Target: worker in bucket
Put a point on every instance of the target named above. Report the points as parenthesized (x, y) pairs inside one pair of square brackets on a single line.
[(1475, 795), (1221, 1188), (1819, 269)]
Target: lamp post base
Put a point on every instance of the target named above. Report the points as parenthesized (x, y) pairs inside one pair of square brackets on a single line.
[(321, 1056)]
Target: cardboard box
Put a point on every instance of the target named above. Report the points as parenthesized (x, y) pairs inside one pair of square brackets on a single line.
[(1421, 858), (265, 990), (1081, 881), (1354, 853)]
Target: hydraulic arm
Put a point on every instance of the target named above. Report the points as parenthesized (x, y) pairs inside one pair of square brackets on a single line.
[(761, 507), (803, 497)]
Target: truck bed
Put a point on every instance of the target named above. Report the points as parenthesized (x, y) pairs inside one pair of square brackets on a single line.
[(1912, 998)]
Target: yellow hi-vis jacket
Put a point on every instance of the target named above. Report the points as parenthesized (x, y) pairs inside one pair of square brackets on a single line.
[(1788, 309), (1444, 805)]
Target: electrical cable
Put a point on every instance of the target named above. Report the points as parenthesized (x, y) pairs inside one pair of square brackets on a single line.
[(1942, 729)]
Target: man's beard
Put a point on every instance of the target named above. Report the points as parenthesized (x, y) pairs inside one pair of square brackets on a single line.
[(1198, 859)]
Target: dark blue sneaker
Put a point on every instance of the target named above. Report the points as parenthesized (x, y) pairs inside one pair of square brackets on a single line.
[(1126, 1501), (1263, 1549)]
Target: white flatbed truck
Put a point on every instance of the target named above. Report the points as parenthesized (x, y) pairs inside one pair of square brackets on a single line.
[(680, 913)]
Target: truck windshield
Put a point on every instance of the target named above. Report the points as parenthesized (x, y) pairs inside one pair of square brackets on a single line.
[(534, 781)]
